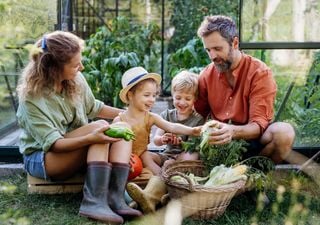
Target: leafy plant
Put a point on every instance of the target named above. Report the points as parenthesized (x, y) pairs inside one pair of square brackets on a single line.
[(114, 49), (303, 107), (215, 155), (191, 57), (227, 154), (187, 16)]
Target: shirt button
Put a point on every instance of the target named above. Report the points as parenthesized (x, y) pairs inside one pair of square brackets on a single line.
[(227, 114)]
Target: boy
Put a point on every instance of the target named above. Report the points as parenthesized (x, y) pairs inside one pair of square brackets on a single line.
[(184, 90)]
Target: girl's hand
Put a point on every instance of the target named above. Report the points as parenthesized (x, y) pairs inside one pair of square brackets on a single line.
[(196, 131)]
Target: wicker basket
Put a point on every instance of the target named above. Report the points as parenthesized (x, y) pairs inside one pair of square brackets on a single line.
[(198, 202)]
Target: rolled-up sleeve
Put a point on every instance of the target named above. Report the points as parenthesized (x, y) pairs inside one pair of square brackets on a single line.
[(262, 97), (40, 132)]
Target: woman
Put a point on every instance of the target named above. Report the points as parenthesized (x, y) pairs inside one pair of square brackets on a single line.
[(55, 105)]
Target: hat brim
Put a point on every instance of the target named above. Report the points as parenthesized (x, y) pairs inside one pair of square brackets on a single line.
[(124, 91)]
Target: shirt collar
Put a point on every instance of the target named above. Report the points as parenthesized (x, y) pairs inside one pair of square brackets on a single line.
[(236, 71)]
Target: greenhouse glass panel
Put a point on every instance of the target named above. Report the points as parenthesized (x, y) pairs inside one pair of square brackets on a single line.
[(280, 21), (24, 22)]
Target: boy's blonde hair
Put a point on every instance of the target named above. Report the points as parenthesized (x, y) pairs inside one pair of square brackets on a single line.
[(185, 81)]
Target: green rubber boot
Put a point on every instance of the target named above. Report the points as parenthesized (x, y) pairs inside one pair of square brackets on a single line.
[(94, 204)]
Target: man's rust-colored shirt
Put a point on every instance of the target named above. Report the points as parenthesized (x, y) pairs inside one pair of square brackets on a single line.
[(251, 99)]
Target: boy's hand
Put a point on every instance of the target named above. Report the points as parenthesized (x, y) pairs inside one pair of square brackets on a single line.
[(169, 138)]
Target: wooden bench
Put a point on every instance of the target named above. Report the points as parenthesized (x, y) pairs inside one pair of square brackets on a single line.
[(72, 185), (40, 186)]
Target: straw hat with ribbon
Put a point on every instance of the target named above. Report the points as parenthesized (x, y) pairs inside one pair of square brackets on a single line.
[(133, 76)]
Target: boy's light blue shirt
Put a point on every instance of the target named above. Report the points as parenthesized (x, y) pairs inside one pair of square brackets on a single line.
[(44, 120)]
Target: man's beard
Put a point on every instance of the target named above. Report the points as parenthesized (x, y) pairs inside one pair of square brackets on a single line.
[(225, 65)]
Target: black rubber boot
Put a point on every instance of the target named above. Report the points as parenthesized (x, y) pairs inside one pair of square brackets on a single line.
[(119, 177), (94, 204)]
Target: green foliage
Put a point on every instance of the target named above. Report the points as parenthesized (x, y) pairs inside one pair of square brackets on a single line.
[(303, 107), (11, 216), (114, 49), (7, 188), (259, 167), (191, 145), (227, 154), (22, 22), (188, 15), (312, 91), (191, 57)]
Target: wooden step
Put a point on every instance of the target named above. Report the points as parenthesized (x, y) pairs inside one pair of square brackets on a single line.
[(40, 186)]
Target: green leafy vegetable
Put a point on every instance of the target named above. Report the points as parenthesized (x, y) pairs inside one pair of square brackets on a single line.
[(230, 154)]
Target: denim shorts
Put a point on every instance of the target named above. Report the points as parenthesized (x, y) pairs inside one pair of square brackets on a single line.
[(34, 165)]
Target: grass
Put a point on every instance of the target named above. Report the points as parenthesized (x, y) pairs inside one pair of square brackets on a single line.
[(297, 200)]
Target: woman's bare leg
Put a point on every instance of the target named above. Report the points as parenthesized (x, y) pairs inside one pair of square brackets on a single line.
[(60, 165)]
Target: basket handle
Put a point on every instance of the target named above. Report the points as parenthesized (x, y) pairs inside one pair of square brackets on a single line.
[(191, 188)]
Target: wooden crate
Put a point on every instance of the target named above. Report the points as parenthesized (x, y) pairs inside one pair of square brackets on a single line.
[(40, 186)]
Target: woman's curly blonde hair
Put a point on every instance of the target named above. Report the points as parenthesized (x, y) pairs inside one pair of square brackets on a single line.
[(43, 73)]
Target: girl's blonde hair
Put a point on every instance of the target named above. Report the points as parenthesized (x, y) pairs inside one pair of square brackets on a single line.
[(185, 81), (43, 73)]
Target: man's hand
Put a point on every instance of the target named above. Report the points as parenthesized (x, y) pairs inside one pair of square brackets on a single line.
[(222, 133)]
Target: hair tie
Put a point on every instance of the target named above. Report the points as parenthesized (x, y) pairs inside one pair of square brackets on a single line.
[(44, 44)]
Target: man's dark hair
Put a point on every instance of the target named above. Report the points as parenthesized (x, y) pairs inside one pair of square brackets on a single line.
[(223, 24)]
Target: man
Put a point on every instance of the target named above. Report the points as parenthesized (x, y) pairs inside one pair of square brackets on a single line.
[(239, 91)]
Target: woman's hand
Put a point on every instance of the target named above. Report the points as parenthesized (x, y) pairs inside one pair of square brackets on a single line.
[(98, 136)]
